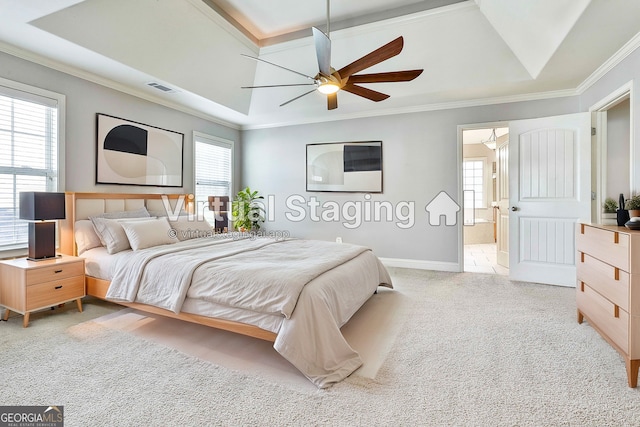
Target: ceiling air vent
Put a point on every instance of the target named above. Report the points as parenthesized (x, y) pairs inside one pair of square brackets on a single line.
[(161, 87)]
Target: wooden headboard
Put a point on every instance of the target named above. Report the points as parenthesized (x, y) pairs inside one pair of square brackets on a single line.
[(83, 205)]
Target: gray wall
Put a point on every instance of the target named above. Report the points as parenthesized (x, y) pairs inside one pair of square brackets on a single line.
[(84, 99), (618, 149), (420, 159)]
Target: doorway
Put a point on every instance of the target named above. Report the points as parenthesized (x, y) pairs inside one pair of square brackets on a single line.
[(480, 170), (549, 189), (613, 157)]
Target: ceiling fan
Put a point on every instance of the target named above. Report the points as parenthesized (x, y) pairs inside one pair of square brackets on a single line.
[(329, 80)]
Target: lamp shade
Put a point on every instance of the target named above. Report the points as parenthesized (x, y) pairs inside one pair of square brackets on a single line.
[(37, 206)]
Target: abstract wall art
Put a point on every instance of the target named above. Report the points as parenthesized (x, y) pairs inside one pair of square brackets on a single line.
[(133, 153), (345, 167)]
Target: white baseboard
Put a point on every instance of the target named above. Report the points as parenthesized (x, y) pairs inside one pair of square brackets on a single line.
[(422, 265)]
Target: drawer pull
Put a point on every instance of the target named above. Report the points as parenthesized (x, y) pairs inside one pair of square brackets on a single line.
[(616, 274), (616, 237), (58, 271), (616, 311), (59, 287)]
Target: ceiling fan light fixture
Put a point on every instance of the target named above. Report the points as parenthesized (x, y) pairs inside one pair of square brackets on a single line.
[(328, 88), (329, 81)]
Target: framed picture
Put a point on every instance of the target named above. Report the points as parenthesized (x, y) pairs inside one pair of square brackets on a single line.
[(132, 153), (345, 167)]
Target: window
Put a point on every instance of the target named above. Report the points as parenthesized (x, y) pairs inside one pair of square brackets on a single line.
[(213, 170), (473, 186), (29, 151)]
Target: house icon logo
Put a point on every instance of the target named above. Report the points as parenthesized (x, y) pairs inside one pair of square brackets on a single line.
[(442, 205)]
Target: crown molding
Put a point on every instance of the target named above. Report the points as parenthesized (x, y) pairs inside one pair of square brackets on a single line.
[(422, 108), (111, 84), (626, 50)]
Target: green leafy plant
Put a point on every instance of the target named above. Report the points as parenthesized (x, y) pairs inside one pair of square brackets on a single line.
[(247, 211), (610, 205), (633, 203)]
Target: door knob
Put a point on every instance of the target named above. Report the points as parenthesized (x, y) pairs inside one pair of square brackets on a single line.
[(514, 208)]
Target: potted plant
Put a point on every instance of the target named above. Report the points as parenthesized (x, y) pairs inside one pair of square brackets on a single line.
[(633, 206), (247, 211)]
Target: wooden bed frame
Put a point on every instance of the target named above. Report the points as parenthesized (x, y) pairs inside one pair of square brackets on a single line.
[(98, 287)]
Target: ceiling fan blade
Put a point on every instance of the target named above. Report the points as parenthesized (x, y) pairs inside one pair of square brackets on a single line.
[(297, 97), (393, 76), (365, 93), (323, 51), (260, 87), (383, 53), (279, 66), (332, 101)]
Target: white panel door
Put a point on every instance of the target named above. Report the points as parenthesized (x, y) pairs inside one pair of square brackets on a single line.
[(502, 199), (550, 190)]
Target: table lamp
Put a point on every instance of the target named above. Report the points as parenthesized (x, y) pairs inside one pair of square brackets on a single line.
[(41, 208)]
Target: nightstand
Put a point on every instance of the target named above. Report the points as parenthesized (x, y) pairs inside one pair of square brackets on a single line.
[(27, 286)]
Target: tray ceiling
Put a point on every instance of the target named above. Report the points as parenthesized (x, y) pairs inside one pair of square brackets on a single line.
[(472, 51)]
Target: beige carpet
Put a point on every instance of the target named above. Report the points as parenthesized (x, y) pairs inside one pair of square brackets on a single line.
[(455, 349)]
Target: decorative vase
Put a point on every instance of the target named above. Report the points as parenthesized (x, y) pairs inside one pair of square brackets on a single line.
[(622, 216), (634, 213)]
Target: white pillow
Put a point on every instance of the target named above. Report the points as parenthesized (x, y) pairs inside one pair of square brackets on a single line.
[(145, 234), (191, 227), (112, 234), (85, 235), (136, 213)]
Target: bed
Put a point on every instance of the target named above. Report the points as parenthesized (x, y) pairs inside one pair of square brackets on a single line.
[(295, 293)]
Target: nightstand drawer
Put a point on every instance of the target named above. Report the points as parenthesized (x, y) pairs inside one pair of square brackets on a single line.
[(610, 282), (55, 292), (54, 272)]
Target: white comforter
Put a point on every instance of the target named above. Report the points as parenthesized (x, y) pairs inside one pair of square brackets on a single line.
[(316, 286)]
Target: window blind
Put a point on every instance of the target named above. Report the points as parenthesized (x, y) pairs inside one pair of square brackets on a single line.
[(28, 156), (213, 169)]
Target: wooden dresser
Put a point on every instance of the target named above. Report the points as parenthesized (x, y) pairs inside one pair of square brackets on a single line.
[(608, 288)]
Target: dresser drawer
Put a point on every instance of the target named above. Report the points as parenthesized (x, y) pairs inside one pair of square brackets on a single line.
[(54, 292), (54, 272), (604, 316), (611, 282), (609, 246)]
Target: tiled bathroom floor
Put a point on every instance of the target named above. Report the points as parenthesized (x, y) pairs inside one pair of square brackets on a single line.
[(482, 258)]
